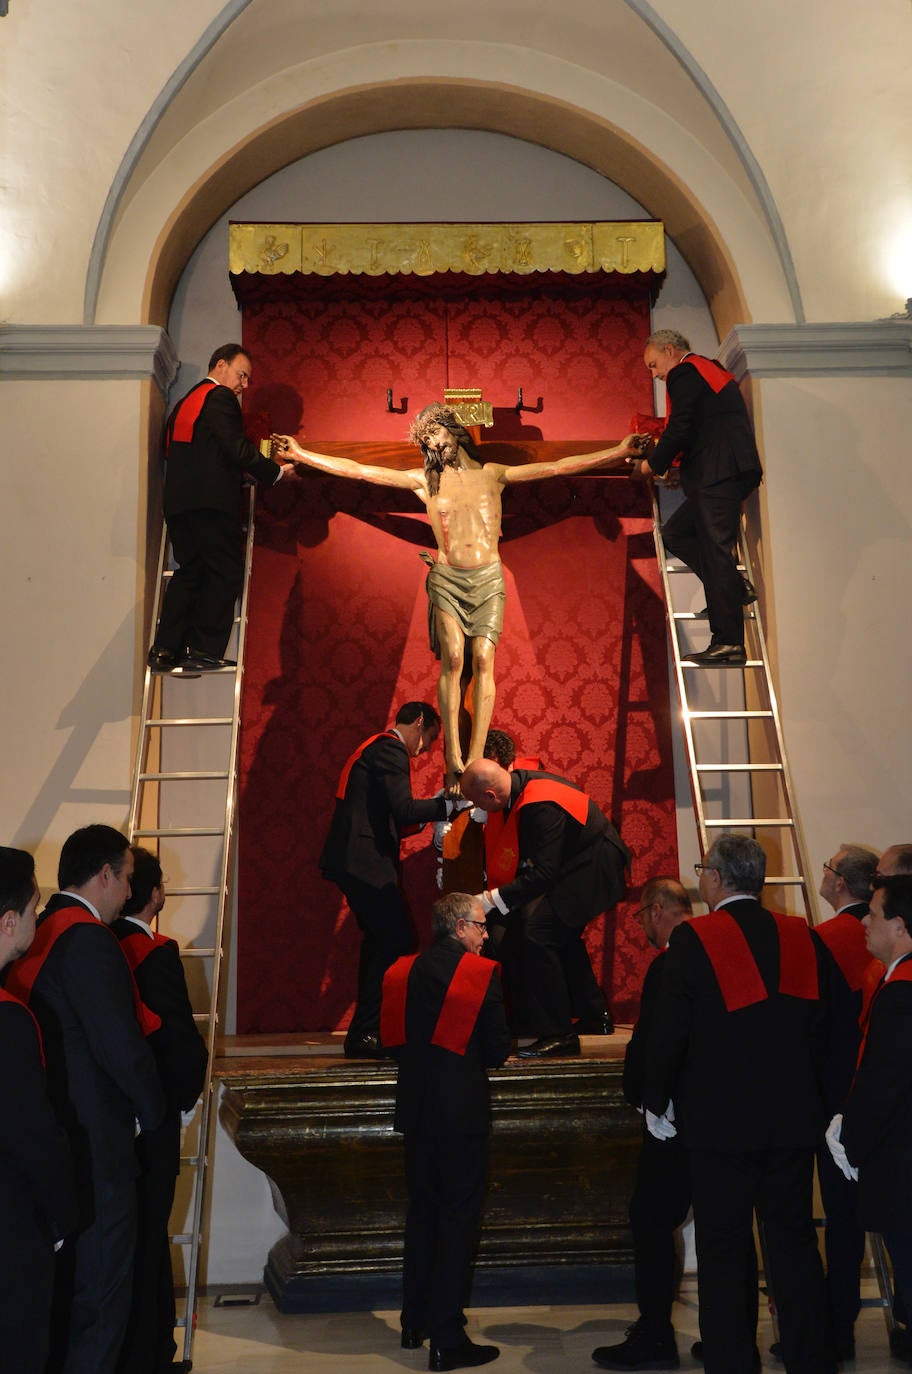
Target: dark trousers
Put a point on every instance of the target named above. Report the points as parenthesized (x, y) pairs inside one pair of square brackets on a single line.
[(445, 1176), (844, 1244), (149, 1346), (198, 609), (386, 935), (94, 1285), (659, 1205), (702, 533), (727, 1186), (25, 1299), (546, 954), (899, 1245)]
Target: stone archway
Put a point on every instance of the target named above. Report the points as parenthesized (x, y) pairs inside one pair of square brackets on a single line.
[(453, 103)]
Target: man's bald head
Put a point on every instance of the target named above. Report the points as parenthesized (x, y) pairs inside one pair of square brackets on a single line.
[(896, 858), (485, 784)]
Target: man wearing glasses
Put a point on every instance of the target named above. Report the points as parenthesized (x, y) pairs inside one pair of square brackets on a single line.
[(737, 1044), (443, 1019)]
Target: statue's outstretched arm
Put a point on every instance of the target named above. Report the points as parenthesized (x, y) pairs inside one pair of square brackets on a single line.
[(631, 447), (288, 448)]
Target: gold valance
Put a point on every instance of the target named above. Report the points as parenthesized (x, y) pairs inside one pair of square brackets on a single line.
[(424, 249)]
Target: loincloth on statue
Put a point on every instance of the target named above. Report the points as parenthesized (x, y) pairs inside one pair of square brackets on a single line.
[(474, 597)]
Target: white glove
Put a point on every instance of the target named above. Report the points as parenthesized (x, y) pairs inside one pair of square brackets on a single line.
[(487, 901), (837, 1149), (661, 1126), (441, 828), (478, 816)]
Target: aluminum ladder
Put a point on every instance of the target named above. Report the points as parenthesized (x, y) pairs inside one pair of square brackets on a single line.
[(186, 815), (735, 747)]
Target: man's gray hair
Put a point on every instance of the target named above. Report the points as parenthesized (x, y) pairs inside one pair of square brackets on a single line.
[(448, 910), (740, 863), (856, 868), (661, 337)]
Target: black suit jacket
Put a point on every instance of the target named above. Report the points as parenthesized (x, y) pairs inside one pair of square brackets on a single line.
[(101, 1073), (712, 431), (179, 1049), (877, 1117), (439, 1092), (844, 1035), (367, 824), (740, 1080), (634, 1081), (205, 474), (37, 1202), (580, 867)]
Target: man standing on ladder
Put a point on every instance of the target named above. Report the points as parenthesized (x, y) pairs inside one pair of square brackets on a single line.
[(207, 455), (709, 426)]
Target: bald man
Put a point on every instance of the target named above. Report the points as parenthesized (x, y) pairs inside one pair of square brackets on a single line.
[(554, 863)]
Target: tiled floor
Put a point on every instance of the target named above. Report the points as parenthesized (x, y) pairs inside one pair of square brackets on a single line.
[(535, 1340)]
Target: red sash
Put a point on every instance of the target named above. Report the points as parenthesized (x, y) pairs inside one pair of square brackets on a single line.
[(346, 771), (460, 1009), (713, 373), (17, 1002), (344, 775), (139, 946), (530, 764), (502, 832), (844, 937), (735, 967), (186, 413), (24, 971), (901, 974)]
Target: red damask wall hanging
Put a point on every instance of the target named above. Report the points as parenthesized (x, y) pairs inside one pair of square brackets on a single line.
[(338, 635)]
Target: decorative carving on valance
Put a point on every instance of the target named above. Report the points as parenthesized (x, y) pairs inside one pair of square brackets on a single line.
[(625, 246)]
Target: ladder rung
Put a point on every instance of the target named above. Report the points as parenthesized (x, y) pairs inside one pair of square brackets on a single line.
[(162, 721), (195, 953), (692, 615), (180, 831), (739, 767), (193, 891), (182, 777), (191, 1161), (782, 881), (787, 824), (201, 1015), (183, 1239), (729, 715)]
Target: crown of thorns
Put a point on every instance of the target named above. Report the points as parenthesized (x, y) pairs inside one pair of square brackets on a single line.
[(435, 414)]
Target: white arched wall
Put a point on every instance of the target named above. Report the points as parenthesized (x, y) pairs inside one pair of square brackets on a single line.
[(564, 107)]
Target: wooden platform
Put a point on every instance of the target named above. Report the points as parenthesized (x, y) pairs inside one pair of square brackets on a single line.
[(563, 1153)]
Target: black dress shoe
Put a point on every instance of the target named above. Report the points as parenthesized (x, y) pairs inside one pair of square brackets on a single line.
[(604, 1025), (412, 1338), (363, 1046), (161, 660), (199, 662), (719, 656), (467, 1355), (551, 1047)]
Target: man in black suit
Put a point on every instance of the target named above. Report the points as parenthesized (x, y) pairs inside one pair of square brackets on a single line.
[(709, 426), (207, 455), (733, 1066), (846, 886), (374, 808), (443, 1018), (102, 1082), (181, 1055), (661, 1194), (37, 1202), (560, 863), (874, 1144)]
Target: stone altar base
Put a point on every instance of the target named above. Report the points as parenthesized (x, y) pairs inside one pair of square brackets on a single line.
[(563, 1153)]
